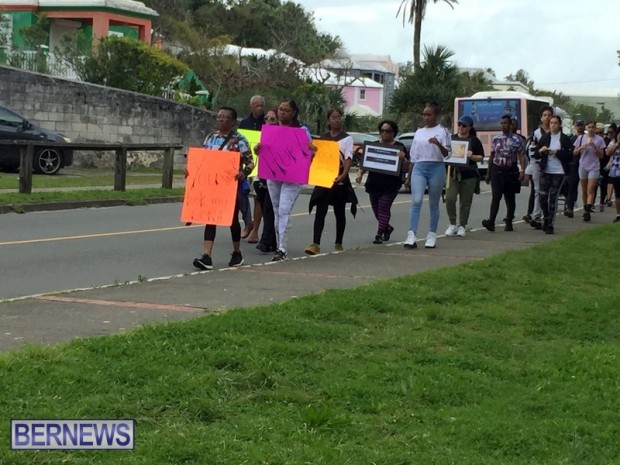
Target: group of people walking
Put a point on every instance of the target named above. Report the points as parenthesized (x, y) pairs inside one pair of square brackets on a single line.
[(549, 158)]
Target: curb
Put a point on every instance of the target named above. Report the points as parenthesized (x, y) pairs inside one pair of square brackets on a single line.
[(53, 206)]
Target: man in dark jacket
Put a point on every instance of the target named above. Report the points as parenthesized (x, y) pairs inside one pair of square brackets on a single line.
[(257, 114)]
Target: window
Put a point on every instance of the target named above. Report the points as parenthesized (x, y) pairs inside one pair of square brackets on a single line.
[(362, 94)]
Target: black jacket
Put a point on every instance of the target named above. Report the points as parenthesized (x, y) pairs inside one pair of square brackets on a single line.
[(565, 154)]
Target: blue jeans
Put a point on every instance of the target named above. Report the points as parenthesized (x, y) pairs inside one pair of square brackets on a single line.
[(425, 174)]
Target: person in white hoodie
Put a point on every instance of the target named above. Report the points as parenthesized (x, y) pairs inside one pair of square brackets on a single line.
[(431, 145)]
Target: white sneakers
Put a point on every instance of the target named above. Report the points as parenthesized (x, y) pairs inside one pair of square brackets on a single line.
[(452, 229), (410, 242), (431, 240)]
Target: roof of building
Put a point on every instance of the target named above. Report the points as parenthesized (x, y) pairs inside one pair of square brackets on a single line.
[(123, 5)]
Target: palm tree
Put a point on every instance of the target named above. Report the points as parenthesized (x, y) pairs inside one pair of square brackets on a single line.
[(417, 8)]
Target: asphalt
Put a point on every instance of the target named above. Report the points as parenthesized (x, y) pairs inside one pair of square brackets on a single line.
[(54, 318)]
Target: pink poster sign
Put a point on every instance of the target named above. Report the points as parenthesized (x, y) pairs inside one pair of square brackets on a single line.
[(284, 154)]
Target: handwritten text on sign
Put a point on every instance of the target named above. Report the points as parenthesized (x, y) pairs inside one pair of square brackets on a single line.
[(210, 187), (284, 154)]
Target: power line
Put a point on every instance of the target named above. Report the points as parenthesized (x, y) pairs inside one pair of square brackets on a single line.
[(577, 82)]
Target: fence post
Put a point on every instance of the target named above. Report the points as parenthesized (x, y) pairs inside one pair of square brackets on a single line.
[(166, 179), (26, 154), (120, 169)]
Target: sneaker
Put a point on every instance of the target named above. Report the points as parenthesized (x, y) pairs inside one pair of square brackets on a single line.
[(338, 248), (536, 223), (586, 216), (410, 242), (601, 207), (452, 230), (378, 239), (527, 218), (509, 227), (460, 231), (236, 259), (569, 213), (545, 225), (549, 230), (313, 249), (487, 224), (617, 220), (431, 240), (609, 203), (280, 256), (388, 233), (204, 262)]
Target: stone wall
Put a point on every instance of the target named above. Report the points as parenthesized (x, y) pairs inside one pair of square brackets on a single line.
[(92, 113)]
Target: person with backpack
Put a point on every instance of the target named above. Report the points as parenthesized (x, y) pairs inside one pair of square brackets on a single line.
[(227, 138), (533, 216)]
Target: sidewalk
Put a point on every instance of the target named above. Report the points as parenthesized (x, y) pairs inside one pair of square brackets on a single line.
[(61, 317)]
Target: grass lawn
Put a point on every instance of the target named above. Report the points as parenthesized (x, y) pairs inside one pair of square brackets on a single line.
[(76, 177), (510, 360)]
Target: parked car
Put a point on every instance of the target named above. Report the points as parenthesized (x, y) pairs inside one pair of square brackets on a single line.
[(406, 138), (47, 160), (358, 145)]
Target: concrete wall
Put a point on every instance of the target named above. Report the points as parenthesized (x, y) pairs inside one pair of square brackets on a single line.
[(92, 113)]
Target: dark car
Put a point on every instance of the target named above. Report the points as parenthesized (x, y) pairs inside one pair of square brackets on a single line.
[(47, 160), (358, 145)]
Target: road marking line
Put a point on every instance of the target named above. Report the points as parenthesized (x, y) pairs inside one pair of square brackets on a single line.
[(117, 303), (124, 233)]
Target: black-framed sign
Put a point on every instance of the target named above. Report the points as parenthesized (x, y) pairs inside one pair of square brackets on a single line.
[(382, 158)]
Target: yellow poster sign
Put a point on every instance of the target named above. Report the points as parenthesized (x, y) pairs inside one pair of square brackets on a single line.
[(325, 164)]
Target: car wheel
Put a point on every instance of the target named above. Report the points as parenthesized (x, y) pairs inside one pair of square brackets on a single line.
[(47, 161)]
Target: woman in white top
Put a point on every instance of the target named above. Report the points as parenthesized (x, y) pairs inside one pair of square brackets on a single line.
[(431, 145)]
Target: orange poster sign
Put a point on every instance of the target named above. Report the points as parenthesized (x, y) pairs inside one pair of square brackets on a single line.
[(210, 187), (325, 164)]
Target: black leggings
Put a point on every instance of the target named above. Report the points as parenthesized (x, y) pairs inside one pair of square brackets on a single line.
[(235, 227), (339, 202), (503, 185), (550, 186)]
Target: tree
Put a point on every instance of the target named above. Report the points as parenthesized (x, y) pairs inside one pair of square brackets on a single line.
[(436, 79), (314, 101), (524, 78), (416, 10)]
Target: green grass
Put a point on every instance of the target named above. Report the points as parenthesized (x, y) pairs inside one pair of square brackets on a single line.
[(75, 177), (510, 360)]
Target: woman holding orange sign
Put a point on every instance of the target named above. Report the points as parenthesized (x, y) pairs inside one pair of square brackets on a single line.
[(226, 138)]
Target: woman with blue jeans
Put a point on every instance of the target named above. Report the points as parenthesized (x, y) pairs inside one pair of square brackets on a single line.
[(431, 145)]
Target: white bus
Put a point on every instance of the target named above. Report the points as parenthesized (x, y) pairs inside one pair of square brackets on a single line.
[(487, 108)]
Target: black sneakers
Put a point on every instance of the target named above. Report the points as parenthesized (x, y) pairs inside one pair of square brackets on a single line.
[(280, 256), (488, 225), (236, 259), (378, 239), (204, 262), (387, 234)]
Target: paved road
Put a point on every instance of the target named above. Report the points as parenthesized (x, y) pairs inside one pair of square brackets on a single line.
[(44, 252)]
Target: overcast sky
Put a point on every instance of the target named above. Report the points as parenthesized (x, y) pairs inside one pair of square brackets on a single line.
[(560, 43)]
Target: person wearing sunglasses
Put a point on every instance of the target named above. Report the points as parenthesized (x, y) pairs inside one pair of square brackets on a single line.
[(463, 179), (383, 188), (431, 146), (253, 121), (263, 208)]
